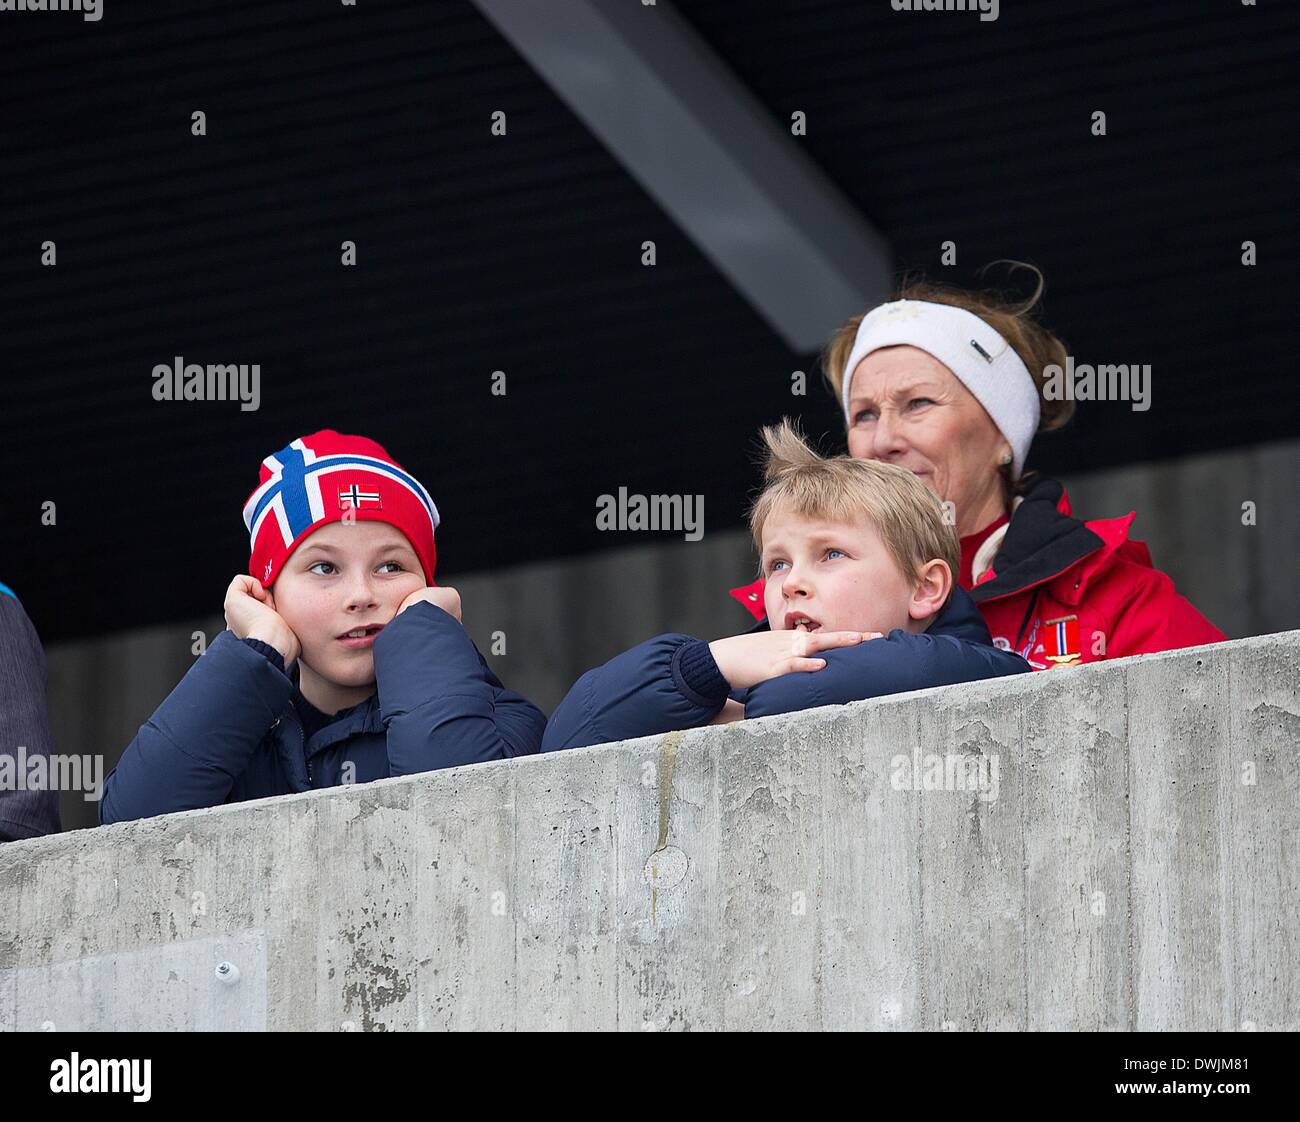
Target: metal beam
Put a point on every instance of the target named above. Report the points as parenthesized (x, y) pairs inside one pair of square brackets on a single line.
[(733, 178)]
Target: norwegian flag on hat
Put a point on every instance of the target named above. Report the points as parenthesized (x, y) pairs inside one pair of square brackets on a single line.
[(329, 477)]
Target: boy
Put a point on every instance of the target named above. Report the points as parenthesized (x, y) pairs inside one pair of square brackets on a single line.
[(858, 567), (342, 662)]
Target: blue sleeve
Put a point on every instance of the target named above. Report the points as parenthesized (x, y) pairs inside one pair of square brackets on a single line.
[(441, 704), (899, 662), (665, 684), (201, 738), (24, 722)]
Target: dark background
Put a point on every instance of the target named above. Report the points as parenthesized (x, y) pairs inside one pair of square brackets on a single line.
[(522, 253)]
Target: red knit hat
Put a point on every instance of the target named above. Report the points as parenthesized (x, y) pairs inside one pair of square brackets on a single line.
[(319, 479)]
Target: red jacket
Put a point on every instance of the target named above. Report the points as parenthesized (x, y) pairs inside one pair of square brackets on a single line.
[(1061, 592)]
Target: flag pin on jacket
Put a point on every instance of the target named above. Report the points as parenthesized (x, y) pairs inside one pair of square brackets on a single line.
[(1061, 641)]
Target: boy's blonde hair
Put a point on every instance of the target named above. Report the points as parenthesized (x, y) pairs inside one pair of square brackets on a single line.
[(906, 514)]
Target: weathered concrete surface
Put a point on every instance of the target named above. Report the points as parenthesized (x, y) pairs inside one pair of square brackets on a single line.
[(1138, 869)]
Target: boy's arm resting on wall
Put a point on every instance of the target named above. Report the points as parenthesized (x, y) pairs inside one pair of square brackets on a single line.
[(24, 722), (441, 704), (200, 739), (897, 663), (663, 685)]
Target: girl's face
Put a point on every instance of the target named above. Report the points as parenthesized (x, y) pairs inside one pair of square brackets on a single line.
[(907, 408), (342, 585)]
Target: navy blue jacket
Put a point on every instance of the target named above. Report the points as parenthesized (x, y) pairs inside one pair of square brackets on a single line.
[(672, 682), (24, 723), (229, 731)]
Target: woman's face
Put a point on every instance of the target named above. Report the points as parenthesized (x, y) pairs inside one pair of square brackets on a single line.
[(907, 408)]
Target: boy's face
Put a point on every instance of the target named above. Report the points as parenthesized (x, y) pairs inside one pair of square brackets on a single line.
[(831, 576), (346, 577)]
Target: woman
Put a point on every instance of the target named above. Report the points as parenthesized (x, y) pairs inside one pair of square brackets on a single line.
[(950, 384)]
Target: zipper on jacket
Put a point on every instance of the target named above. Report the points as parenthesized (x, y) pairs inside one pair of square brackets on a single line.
[(1033, 603), (302, 741)]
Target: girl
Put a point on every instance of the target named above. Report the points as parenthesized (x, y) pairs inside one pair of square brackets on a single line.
[(341, 663)]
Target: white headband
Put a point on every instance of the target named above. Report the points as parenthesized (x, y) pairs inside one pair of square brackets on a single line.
[(985, 363)]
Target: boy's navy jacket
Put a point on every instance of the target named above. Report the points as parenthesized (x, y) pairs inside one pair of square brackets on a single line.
[(672, 682), (230, 731)]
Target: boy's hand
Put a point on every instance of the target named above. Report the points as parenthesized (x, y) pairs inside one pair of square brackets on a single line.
[(444, 597), (746, 660), (250, 614)]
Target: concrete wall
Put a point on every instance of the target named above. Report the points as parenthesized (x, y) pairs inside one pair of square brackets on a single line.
[(1139, 868), (562, 617)]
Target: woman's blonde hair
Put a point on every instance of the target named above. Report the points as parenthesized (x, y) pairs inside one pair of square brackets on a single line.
[(1037, 347), (905, 513)]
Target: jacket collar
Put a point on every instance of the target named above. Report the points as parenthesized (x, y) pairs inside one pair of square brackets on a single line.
[(361, 718), (1042, 541), (750, 597)]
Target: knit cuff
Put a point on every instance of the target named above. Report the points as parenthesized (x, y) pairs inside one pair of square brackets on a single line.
[(696, 675), (274, 657)]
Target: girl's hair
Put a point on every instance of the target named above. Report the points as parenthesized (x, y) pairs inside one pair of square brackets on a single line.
[(908, 517), (1037, 347)]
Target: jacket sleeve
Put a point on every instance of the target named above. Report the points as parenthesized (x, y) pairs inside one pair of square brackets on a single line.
[(24, 722), (201, 738), (441, 704), (665, 684), (1154, 617), (899, 662)]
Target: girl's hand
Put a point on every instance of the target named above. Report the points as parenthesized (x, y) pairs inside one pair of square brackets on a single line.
[(250, 614), (445, 597), (746, 660)]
